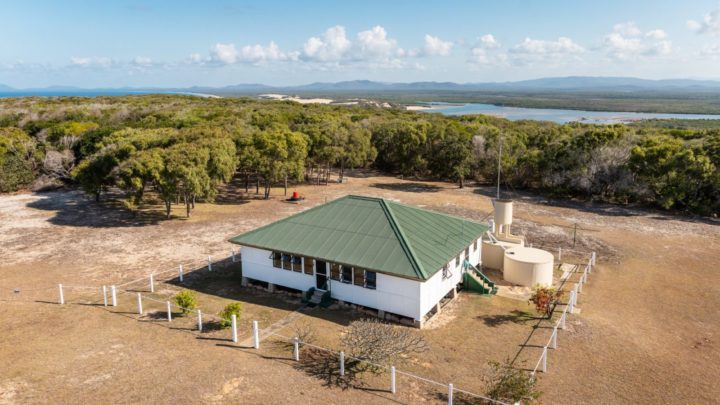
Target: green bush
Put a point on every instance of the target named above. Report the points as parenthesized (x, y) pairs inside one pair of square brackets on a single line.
[(226, 314), (186, 300)]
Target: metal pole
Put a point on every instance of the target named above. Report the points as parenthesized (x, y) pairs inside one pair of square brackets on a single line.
[(450, 394), (169, 312), (296, 349), (233, 318), (392, 379), (499, 161), (104, 293), (140, 308), (199, 315), (181, 273), (256, 335), (152, 284), (61, 299), (342, 363), (209, 264), (113, 295)]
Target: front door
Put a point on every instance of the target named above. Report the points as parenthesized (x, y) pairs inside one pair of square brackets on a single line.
[(320, 275)]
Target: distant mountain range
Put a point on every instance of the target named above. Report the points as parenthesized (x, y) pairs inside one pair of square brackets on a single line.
[(560, 84)]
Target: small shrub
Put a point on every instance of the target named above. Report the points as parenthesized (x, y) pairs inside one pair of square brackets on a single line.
[(508, 384), (186, 300), (226, 314), (305, 332), (544, 297)]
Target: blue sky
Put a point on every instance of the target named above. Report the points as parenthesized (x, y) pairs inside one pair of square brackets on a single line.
[(216, 43)]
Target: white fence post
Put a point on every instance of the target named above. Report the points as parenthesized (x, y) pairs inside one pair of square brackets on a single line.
[(562, 319), (571, 301), (544, 360), (553, 340), (296, 348), (256, 335), (113, 295), (104, 293), (199, 315), (209, 264), (152, 284), (559, 254), (169, 312), (181, 273), (592, 258), (342, 363), (232, 253), (233, 319), (450, 394), (61, 298), (392, 379), (140, 308)]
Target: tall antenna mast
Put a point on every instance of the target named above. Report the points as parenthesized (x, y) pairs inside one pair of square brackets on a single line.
[(499, 160)]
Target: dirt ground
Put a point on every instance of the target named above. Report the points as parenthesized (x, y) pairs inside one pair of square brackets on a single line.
[(647, 331)]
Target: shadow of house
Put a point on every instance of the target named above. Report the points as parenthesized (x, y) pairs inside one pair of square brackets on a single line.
[(225, 282)]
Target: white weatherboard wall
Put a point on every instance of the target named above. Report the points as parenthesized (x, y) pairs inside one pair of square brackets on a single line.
[(393, 294), (397, 295), (435, 288), (257, 264)]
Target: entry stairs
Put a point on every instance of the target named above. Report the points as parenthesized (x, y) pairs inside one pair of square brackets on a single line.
[(475, 280)]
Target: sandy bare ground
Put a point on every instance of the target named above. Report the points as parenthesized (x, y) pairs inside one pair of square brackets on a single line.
[(647, 333)]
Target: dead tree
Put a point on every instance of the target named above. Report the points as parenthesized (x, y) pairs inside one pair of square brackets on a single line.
[(379, 343)]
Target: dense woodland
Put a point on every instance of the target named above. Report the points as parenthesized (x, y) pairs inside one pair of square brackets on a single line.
[(181, 148)]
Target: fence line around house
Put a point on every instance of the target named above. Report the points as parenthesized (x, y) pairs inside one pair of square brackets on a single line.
[(570, 307), (115, 291)]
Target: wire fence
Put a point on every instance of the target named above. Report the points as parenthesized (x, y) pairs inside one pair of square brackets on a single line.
[(107, 296)]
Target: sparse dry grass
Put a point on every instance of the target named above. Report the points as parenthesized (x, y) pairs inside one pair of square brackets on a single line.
[(647, 332)]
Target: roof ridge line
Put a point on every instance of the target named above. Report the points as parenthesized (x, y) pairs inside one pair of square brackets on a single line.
[(289, 217), (436, 212), (403, 240)]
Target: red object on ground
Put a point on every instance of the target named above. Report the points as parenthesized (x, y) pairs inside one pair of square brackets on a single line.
[(296, 195)]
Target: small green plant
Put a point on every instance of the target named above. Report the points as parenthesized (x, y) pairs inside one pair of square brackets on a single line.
[(186, 300), (227, 313)]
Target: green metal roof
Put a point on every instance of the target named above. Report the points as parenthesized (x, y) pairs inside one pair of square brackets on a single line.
[(371, 233)]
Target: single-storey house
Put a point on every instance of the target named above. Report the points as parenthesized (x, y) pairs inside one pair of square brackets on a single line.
[(372, 252)]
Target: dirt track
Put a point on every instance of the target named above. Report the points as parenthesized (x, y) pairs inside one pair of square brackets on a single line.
[(648, 331)]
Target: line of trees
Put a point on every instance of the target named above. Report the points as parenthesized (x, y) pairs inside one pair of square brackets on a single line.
[(182, 148)]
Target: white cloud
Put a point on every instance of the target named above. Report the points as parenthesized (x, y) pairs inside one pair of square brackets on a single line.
[(710, 24), (224, 54), (375, 44), (656, 34), (627, 42), (332, 46), (482, 52), (142, 61), (92, 61), (711, 51), (436, 46), (259, 53), (488, 41), (563, 45)]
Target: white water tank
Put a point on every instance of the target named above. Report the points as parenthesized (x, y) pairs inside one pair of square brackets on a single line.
[(503, 216), (528, 267)]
